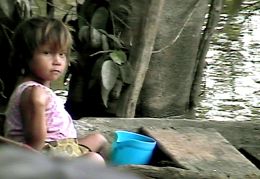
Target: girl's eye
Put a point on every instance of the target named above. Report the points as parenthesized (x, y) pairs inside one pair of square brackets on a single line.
[(63, 55), (46, 52)]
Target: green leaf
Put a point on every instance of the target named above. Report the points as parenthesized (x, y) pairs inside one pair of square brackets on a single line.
[(105, 95), (118, 43), (23, 8), (7, 8), (95, 38), (86, 12), (109, 74), (84, 34), (118, 56), (127, 73), (100, 18), (105, 45), (95, 73), (116, 91)]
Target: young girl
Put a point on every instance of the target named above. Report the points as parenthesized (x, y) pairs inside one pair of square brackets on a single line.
[(35, 115)]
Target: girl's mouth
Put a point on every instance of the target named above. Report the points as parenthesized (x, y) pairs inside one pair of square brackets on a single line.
[(55, 71)]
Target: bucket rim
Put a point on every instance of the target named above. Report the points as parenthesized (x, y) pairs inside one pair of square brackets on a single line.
[(152, 140)]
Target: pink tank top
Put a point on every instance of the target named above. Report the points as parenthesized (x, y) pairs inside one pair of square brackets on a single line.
[(59, 122)]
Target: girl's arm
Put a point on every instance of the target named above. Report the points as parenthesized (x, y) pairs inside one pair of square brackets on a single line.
[(33, 105)]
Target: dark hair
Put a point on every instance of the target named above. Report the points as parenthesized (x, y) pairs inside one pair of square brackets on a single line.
[(32, 33)]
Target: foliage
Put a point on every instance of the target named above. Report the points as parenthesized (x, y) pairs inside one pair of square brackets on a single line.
[(14, 10), (97, 34), (11, 14)]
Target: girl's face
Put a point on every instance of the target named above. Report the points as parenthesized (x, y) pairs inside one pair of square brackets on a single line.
[(48, 63)]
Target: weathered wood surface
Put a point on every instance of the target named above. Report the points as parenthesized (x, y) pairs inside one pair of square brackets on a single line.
[(252, 152), (200, 149), (239, 133), (243, 135), (152, 172)]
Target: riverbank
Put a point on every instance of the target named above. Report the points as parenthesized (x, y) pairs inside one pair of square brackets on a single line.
[(244, 136)]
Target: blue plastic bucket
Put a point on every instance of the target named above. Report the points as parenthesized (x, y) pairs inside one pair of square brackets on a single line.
[(131, 148)]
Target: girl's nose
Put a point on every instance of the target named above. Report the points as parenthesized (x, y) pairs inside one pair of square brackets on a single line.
[(57, 60)]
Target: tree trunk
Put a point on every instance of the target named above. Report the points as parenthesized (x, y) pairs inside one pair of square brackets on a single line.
[(215, 10), (167, 86), (140, 56), (50, 8)]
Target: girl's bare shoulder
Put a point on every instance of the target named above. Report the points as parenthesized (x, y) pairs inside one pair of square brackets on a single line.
[(35, 95)]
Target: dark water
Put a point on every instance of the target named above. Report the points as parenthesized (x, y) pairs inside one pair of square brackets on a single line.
[(231, 83)]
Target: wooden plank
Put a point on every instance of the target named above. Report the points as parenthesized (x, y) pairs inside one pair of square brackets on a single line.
[(252, 152), (201, 150)]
